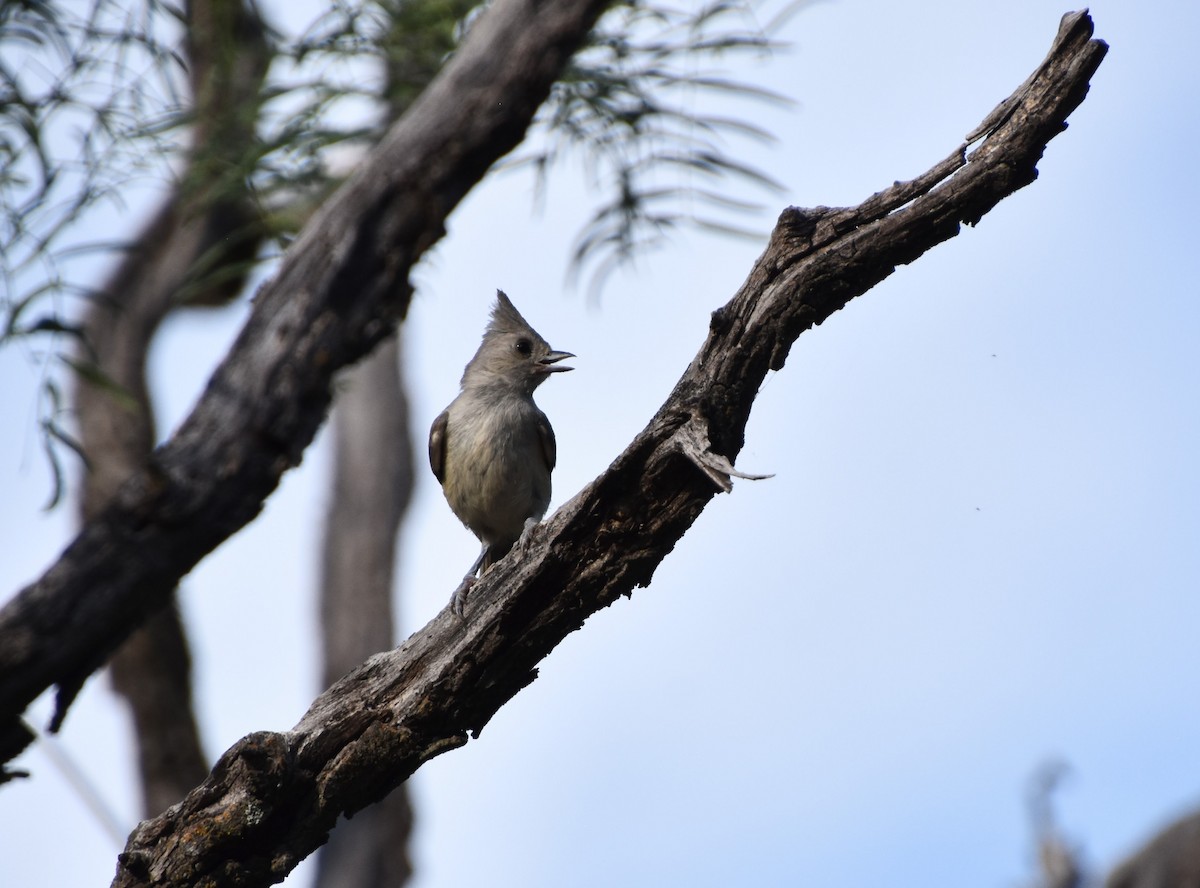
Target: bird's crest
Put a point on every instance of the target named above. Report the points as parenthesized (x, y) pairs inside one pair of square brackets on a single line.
[(506, 318)]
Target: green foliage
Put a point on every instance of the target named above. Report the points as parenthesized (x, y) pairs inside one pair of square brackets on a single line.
[(82, 101), (91, 105), (628, 104), (85, 92)]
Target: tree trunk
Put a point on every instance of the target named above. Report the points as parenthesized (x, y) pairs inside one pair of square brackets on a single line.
[(372, 486), (207, 215)]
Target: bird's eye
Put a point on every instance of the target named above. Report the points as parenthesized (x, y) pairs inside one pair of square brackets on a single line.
[(524, 346)]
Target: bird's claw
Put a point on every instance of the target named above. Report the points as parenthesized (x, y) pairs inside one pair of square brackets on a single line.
[(458, 601), (526, 535)]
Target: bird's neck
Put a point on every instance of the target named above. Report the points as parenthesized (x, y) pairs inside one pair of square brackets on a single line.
[(496, 387)]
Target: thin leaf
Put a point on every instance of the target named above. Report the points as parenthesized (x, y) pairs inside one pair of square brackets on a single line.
[(93, 375)]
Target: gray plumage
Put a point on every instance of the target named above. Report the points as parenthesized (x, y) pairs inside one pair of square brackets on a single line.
[(492, 449)]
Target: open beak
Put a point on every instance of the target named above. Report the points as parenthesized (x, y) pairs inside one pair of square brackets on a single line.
[(549, 364)]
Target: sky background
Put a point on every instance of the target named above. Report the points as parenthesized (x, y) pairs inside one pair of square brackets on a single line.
[(980, 551)]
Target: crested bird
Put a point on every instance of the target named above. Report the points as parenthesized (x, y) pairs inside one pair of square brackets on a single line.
[(492, 449)]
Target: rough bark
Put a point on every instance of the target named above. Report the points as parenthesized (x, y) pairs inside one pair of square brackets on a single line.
[(1170, 860), (272, 797), (340, 290), (372, 485), (207, 225)]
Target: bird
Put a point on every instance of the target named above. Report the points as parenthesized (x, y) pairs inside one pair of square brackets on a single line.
[(492, 450)]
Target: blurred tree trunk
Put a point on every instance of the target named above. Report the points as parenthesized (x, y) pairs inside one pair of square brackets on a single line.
[(209, 224), (1169, 860), (372, 485)]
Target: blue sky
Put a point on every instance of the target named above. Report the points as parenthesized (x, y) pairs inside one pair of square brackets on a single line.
[(979, 552)]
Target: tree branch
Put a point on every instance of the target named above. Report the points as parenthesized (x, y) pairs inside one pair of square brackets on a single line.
[(209, 223), (272, 797), (342, 287)]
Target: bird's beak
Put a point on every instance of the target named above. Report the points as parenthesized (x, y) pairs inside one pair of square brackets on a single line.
[(548, 363)]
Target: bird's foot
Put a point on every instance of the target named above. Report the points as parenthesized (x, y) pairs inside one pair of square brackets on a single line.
[(526, 535), (458, 601)]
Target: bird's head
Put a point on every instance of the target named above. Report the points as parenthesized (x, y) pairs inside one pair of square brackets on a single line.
[(512, 353)]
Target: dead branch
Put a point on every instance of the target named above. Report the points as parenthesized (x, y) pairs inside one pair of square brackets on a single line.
[(272, 797)]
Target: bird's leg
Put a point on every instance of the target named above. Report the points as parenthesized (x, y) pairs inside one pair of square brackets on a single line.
[(458, 601), (526, 533)]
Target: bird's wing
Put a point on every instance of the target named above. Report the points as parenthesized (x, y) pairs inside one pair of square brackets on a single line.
[(546, 438), (437, 446)]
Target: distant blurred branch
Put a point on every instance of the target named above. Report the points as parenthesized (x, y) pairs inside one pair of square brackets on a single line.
[(1060, 862), (272, 798), (626, 104), (1170, 859)]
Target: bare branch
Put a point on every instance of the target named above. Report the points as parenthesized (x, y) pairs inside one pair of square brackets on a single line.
[(272, 797), (341, 289)]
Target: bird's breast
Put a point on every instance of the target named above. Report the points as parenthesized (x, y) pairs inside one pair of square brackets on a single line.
[(496, 477)]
